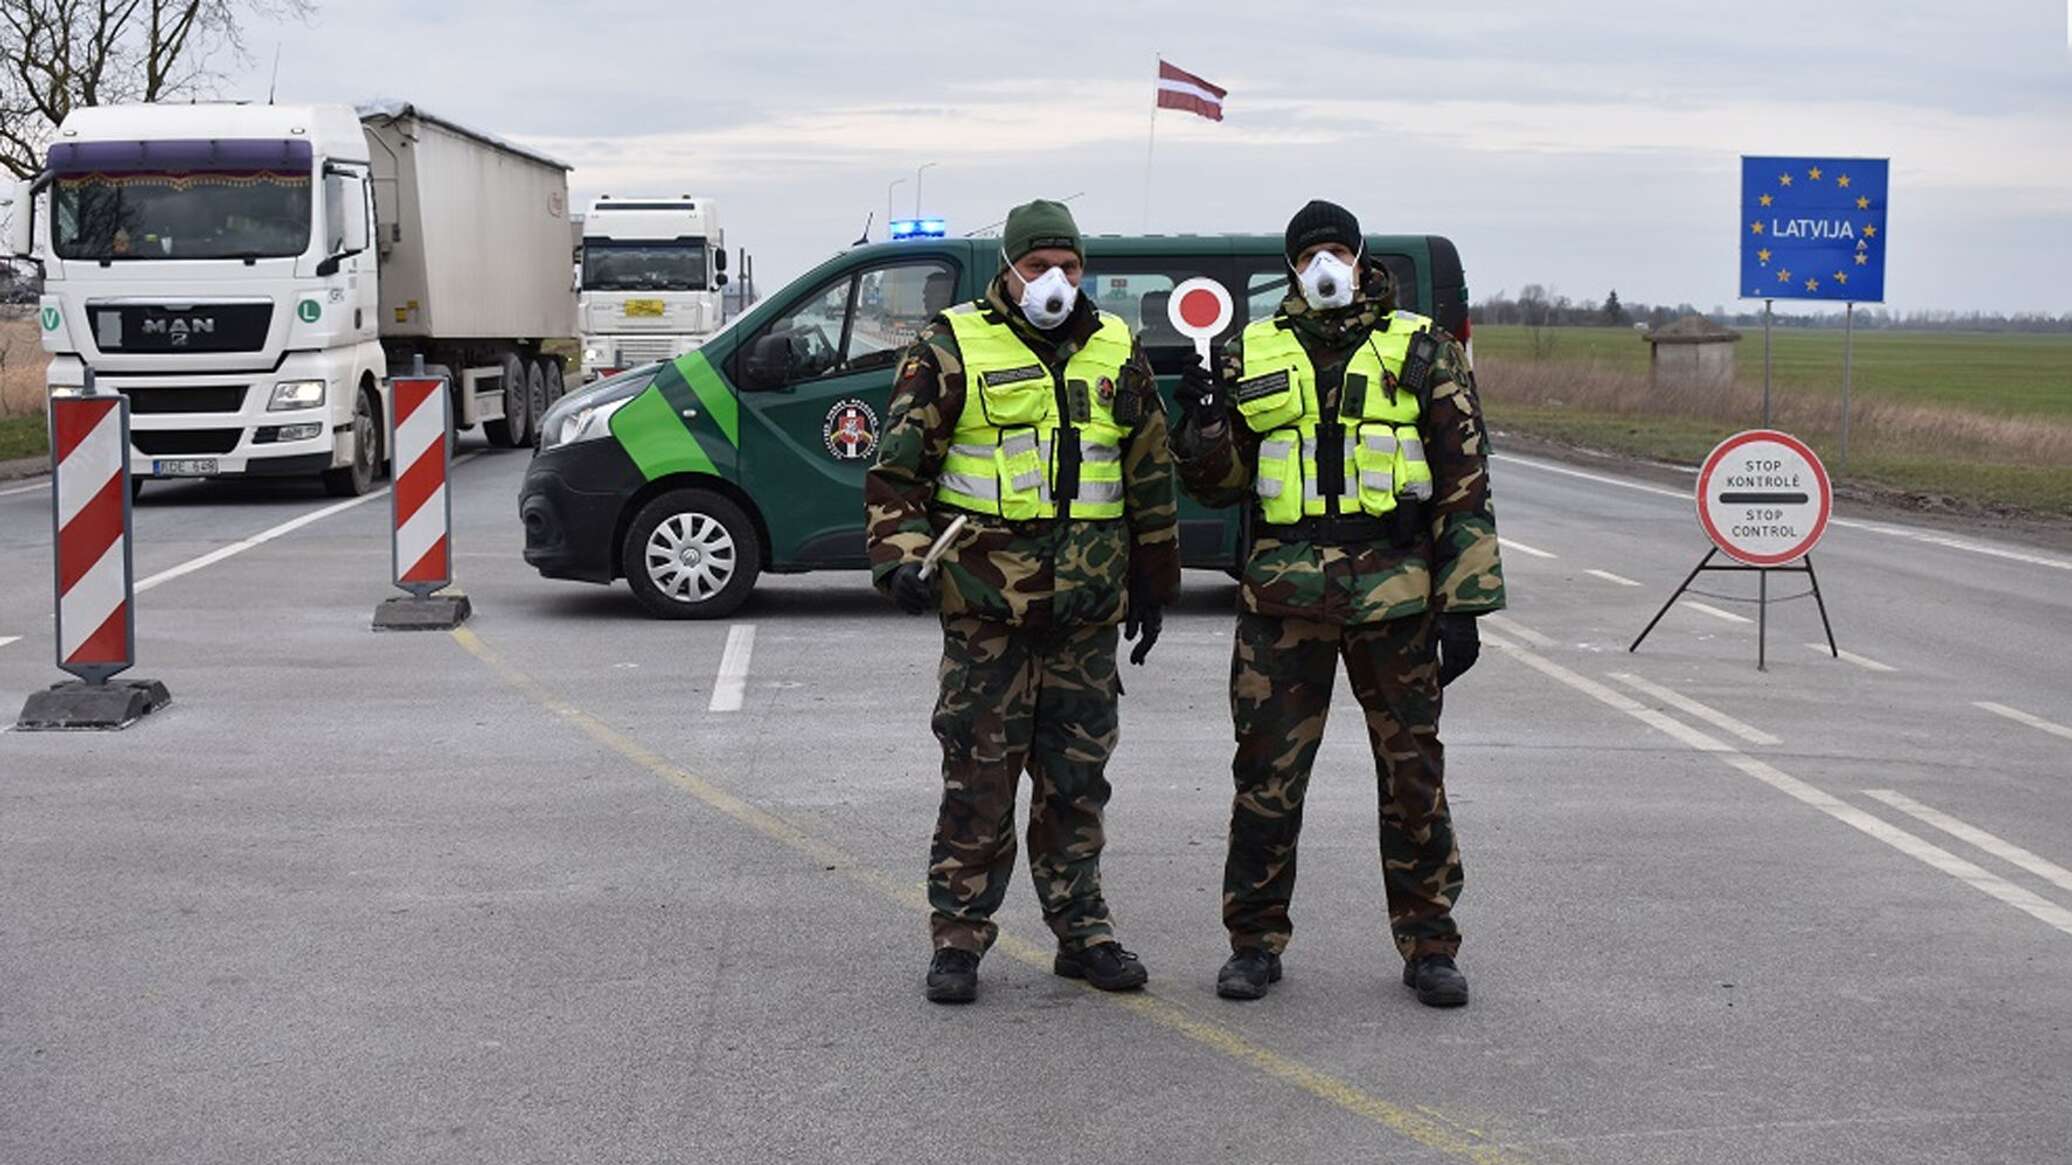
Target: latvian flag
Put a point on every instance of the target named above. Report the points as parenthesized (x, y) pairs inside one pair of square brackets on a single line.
[(1180, 89)]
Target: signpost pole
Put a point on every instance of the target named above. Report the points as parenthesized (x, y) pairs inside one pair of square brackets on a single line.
[(1848, 345), (1762, 620), (1766, 364)]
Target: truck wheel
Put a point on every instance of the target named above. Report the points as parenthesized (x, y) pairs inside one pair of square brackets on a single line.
[(515, 429), (536, 398), (556, 387), (691, 554), (353, 480)]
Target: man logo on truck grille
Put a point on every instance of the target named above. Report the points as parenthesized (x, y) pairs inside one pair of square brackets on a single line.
[(851, 431)]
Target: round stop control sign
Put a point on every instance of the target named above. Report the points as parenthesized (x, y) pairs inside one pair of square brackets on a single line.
[(1764, 497), (1198, 309)]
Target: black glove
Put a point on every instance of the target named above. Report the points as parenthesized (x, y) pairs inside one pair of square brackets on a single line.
[(1145, 620), (912, 592), (1459, 644), (1202, 399)]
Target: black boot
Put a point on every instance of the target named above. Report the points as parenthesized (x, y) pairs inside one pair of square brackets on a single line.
[(952, 976), (1247, 974), (1105, 965), (1437, 981)]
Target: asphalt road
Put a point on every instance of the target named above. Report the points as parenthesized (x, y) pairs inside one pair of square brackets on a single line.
[(553, 890)]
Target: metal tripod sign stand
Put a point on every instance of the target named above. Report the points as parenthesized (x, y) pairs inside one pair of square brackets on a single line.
[(1764, 499)]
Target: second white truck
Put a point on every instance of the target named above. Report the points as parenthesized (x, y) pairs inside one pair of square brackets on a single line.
[(653, 270), (250, 275)]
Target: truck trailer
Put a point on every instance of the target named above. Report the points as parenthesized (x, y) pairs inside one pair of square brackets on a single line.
[(249, 276)]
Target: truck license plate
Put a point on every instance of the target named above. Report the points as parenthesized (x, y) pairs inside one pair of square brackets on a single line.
[(184, 466), (643, 307)]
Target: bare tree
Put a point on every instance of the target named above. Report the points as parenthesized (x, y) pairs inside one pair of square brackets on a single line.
[(59, 55), (1539, 315)]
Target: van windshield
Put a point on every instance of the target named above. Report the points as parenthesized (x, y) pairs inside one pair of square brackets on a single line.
[(181, 200), (644, 266)]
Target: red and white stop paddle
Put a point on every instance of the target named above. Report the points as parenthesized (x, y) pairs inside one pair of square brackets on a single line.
[(1199, 309)]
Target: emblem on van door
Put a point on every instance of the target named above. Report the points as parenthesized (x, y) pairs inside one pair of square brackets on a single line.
[(851, 431)]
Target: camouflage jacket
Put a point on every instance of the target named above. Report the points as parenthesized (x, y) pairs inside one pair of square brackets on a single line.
[(1060, 571), (1450, 566)]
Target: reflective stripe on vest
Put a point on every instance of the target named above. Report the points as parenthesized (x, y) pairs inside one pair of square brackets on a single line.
[(1384, 452), (1002, 449)]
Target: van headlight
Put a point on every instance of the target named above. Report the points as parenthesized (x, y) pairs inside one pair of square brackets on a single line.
[(296, 394), (584, 424)]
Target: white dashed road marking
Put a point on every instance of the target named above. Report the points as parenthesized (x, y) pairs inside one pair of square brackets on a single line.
[(1522, 548), (1971, 874), (1705, 712), (2005, 850), (728, 691), (1863, 661), (1512, 626), (1715, 612), (1609, 577), (2021, 717)]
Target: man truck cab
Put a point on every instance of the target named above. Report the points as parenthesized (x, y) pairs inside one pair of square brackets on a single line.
[(653, 273), (689, 478)]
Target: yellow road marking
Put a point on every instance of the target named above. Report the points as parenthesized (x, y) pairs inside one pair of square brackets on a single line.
[(1421, 1125)]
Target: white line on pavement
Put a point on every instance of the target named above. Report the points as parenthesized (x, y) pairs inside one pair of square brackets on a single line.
[(1609, 577), (1514, 627), (1522, 548), (1973, 875), (2000, 848), (1930, 537), (1705, 712), (2021, 717), (264, 536), (39, 487), (7, 639), (727, 692), (1713, 611), (1863, 661)]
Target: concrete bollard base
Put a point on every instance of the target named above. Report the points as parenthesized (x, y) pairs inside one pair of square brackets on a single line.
[(78, 706), (430, 613)]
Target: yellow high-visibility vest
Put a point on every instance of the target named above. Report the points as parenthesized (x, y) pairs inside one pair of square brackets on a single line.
[(1004, 451), (1384, 452)]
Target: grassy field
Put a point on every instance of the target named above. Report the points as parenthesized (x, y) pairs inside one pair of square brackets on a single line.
[(1996, 373), (1946, 419)]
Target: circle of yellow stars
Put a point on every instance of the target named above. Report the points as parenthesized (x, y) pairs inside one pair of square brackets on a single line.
[(1870, 230)]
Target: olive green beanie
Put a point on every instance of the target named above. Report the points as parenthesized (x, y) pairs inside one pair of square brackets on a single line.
[(1033, 226)]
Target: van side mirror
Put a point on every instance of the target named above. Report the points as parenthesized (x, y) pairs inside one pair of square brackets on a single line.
[(772, 362)]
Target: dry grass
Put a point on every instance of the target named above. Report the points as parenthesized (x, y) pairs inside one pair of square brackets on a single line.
[(1876, 426), (21, 361)]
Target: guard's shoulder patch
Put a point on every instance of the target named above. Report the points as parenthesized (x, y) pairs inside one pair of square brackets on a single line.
[(1260, 387)]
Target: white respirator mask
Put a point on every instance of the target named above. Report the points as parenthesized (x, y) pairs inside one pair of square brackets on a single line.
[(1328, 281), (1048, 298)]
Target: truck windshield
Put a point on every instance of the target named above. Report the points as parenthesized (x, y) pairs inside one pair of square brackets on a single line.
[(181, 200), (610, 265)]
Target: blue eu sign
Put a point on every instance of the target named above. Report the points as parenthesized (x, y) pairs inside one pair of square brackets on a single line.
[(1813, 228)]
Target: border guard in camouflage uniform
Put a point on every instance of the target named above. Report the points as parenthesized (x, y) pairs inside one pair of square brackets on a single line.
[(1036, 418), (1354, 431)]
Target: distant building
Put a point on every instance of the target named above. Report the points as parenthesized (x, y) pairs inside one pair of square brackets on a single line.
[(1692, 352)]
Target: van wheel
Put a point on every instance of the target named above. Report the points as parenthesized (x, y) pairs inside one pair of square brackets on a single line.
[(515, 429), (691, 554), (353, 480)]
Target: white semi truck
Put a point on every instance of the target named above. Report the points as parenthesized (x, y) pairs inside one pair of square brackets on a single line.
[(653, 270), (248, 275)]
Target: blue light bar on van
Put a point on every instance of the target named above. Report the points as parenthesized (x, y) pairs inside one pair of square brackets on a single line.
[(918, 228)]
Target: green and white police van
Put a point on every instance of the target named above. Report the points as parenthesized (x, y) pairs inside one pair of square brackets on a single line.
[(690, 478)]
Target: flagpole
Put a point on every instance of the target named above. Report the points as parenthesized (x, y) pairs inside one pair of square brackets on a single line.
[(1151, 140)]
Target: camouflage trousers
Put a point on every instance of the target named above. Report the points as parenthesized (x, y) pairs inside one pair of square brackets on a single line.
[(1280, 692), (1016, 698)]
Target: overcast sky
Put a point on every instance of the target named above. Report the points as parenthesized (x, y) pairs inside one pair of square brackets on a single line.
[(1582, 144)]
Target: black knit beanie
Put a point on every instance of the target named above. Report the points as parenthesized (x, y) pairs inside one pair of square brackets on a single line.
[(1321, 222)]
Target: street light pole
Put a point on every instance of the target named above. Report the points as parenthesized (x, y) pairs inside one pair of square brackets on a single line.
[(889, 187), (917, 185)]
